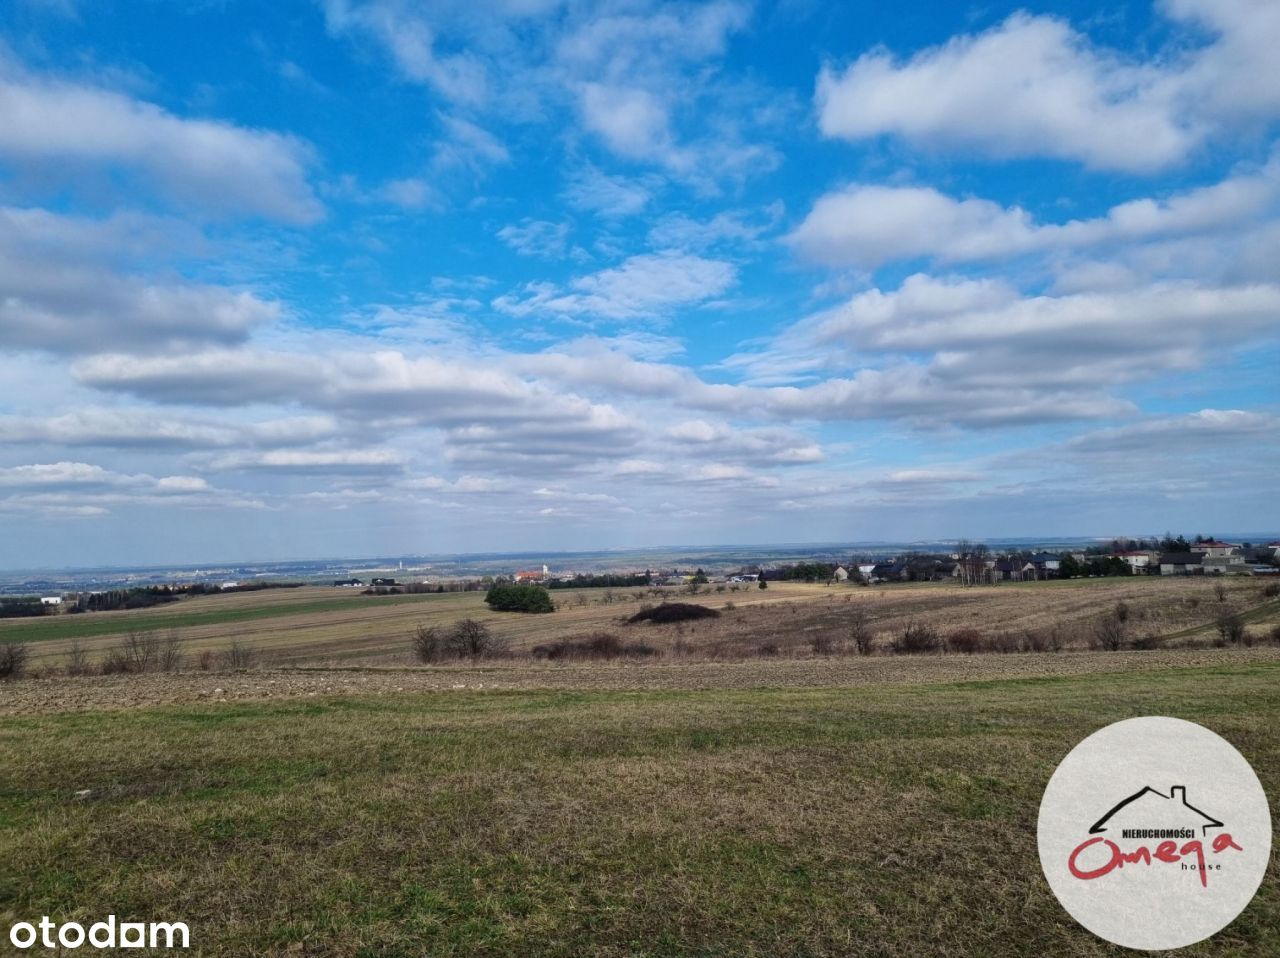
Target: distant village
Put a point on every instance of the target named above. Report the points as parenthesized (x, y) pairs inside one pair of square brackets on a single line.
[(966, 564)]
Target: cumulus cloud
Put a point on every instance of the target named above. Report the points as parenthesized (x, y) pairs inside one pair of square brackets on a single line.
[(1034, 86), (868, 225), (86, 490), (208, 165)]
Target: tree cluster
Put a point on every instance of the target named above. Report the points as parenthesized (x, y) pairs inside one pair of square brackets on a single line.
[(519, 598)]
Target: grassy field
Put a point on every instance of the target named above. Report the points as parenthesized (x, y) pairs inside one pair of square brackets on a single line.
[(317, 625), (888, 819)]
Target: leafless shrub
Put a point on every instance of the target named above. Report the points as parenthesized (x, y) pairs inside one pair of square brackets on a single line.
[(428, 643), (824, 643), (598, 645), (681, 648), (1003, 642), (1271, 590), (1110, 633), (1275, 634), (1230, 626), (207, 660), (861, 636), (917, 638), (1149, 642), (13, 660), (768, 650), (169, 652), (77, 659), (465, 639), (1121, 611), (138, 652), (1220, 590), (729, 606), (239, 655), (965, 641), (1193, 602)]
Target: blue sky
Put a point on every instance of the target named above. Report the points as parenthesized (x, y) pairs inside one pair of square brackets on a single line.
[(373, 276)]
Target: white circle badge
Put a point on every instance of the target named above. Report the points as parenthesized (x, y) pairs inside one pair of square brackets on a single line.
[(1154, 833)]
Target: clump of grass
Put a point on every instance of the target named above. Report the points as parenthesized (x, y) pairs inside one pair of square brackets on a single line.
[(675, 612)]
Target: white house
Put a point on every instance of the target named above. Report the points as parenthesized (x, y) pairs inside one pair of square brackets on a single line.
[(51, 600), (841, 574)]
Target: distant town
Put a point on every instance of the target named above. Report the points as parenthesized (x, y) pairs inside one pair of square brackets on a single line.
[(964, 562)]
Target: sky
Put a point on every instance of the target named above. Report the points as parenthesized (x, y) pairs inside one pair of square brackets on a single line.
[(373, 277)]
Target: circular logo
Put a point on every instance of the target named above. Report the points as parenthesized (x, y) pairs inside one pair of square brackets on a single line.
[(1154, 833)]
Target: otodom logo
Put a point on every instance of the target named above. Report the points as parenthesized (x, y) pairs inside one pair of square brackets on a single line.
[(1147, 864)]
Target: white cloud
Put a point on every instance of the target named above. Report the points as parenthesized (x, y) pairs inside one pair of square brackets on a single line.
[(410, 38), (203, 164), (644, 286), (1029, 86), (60, 298), (869, 225), (531, 237)]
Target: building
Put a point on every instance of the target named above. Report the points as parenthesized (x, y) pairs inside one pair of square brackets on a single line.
[(1138, 562), (1181, 563), (841, 574), (382, 581), (348, 583), (1224, 565), (1212, 547), (51, 600)]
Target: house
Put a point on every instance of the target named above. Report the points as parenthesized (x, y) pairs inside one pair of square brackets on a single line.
[(1224, 565), (841, 574), (384, 581), (1046, 562), (866, 568), (1139, 562), (1212, 547), (51, 600), (348, 583), (229, 585), (1007, 570), (1181, 563)]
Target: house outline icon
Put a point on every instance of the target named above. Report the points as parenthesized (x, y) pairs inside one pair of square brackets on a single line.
[(1177, 793)]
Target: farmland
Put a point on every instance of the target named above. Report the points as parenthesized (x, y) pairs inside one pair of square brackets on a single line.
[(740, 792), (883, 815), (325, 626)]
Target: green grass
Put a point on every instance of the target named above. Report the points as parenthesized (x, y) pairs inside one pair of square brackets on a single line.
[(877, 821), (90, 624)]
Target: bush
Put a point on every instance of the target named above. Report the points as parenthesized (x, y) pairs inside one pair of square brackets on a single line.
[(521, 598), (763, 584), (1110, 633), (768, 650), (860, 633), (1271, 590), (1122, 611), (239, 655), (77, 659), (917, 638), (674, 612), (1275, 634), (965, 641), (467, 639), (1148, 643), (13, 660), (1230, 626), (1220, 591), (598, 645)]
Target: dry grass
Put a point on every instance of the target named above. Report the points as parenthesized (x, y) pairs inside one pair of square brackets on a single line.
[(894, 820), (312, 626)]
